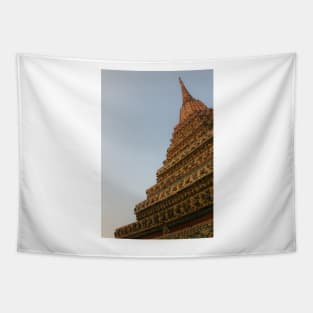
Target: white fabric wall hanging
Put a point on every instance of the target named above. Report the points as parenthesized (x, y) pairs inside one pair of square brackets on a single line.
[(156, 159)]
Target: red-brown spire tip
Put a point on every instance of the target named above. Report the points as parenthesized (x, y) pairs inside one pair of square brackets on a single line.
[(185, 93), (190, 104)]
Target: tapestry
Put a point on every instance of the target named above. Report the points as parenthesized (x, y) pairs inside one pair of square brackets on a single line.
[(156, 158)]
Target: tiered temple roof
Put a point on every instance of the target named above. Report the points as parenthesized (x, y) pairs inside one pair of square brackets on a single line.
[(180, 204)]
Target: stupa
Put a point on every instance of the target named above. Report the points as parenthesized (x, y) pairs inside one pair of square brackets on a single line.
[(180, 204)]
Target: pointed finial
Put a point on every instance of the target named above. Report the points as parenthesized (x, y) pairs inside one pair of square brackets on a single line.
[(185, 93)]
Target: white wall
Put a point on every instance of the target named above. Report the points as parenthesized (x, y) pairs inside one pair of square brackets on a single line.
[(152, 30)]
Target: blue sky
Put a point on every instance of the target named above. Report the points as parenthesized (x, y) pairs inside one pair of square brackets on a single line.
[(139, 111)]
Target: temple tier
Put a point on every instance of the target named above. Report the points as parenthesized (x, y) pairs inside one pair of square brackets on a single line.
[(180, 204)]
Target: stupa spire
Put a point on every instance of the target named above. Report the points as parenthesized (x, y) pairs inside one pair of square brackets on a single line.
[(180, 204), (184, 91), (190, 104)]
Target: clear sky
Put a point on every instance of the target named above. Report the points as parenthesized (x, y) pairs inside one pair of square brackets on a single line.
[(139, 112)]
